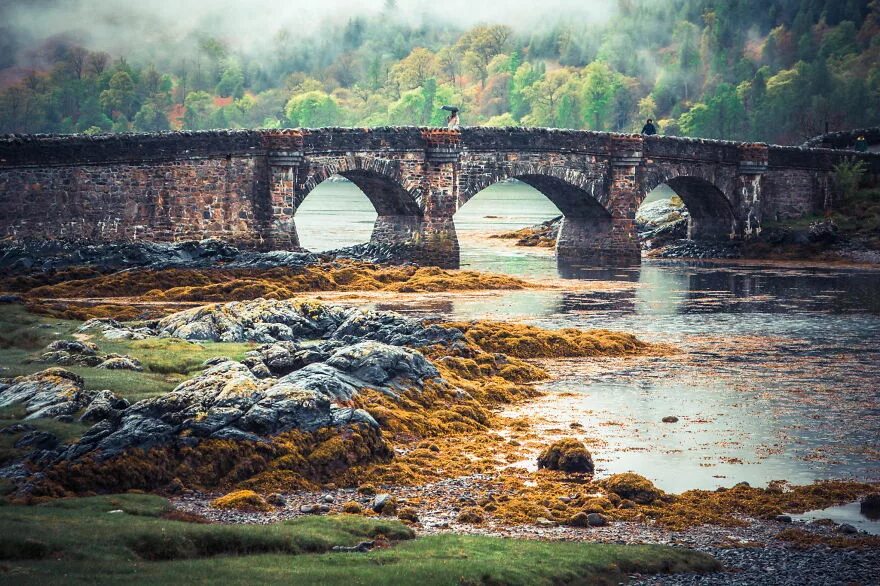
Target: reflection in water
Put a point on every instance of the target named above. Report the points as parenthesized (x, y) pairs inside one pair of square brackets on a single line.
[(849, 513)]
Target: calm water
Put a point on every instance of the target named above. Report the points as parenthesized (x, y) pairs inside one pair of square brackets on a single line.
[(776, 378)]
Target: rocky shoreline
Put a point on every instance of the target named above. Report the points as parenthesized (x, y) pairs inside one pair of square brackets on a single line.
[(335, 409), (751, 554)]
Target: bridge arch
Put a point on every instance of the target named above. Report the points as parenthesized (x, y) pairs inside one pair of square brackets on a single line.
[(574, 192), (711, 212), (379, 179), (589, 232)]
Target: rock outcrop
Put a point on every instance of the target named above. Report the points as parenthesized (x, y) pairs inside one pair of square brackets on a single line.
[(230, 401), (57, 393), (662, 222), (272, 321)]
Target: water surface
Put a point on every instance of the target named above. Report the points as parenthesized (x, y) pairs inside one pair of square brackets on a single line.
[(776, 377)]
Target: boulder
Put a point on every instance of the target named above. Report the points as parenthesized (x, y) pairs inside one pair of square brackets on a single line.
[(567, 455), (870, 506), (52, 392), (116, 362)]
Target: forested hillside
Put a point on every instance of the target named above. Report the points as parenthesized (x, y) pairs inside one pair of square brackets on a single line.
[(777, 71)]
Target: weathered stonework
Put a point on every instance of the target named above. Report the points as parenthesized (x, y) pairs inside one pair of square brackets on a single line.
[(245, 186)]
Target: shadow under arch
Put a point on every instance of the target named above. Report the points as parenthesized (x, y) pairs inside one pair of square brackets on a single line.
[(711, 215)]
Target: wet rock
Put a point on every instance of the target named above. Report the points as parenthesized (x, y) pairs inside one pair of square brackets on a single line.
[(17, 428), (567, 455), (104, 404), (71, 353), (49, 255), (846, 529), (230, 401), (823, 231), (596, 520), (663, 221), (260, 320), (783, 518), (381, 501), (870, 506), (113, 330)]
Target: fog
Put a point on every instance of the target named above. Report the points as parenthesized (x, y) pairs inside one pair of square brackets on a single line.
[(156, 28)]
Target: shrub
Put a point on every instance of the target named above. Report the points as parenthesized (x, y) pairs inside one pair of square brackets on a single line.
[(847, 176)]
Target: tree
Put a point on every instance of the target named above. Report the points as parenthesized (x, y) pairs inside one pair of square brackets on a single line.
[(231, 80), (120, 95), (479, 45), (413, 70), (600, 86), (199, 108), (449, 62), (312, 110), (150, 118)]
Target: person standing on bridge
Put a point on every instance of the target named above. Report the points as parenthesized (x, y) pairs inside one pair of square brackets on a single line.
[(861, 144), (649, 129)]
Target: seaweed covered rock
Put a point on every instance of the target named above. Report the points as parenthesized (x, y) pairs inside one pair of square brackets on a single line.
[(51, 393), (634, 487), (567, 455)]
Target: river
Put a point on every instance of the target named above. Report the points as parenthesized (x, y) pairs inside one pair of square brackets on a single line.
[(775, 377)]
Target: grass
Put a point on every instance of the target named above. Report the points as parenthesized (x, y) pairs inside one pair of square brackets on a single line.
[(79, 541), (166, 361)]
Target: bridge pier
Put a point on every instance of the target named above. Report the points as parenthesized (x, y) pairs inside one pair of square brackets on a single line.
[(430, 241), (599, 241)]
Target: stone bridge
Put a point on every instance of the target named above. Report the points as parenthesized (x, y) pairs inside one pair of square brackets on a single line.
[(245, 186)]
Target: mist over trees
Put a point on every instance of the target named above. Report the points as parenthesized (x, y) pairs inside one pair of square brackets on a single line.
[(776, 71)]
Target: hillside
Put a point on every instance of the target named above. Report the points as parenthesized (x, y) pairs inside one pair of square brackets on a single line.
[(779, 71)]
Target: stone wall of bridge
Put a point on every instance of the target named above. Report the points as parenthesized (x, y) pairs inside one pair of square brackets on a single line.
[(245, 186)]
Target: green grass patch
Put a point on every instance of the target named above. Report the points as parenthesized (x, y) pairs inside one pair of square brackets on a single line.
[(75, 541), (167, 361)]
